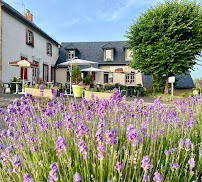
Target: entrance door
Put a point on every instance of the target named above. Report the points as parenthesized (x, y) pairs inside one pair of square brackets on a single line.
[(106, 78), (25, 70)]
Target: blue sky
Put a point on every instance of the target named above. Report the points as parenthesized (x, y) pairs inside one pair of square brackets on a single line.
[(87, 20)]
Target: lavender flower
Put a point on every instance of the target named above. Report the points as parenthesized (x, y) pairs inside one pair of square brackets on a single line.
[(191, 162), (41, 89), (60, 145), (118, 166), (53, 176), (53, 92), (167, 152), (16, 162), (83, 148), (146, 176), (157, 177), (174, 166), (181, 142), (27, 178), (77, 177), (145, 162)]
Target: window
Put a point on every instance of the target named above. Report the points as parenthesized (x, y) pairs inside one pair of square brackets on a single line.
[(108, 55), (49, 49), (128, 53), (23, 69), (53, 74), (35, 72), (29, 38), (130, 78), (108, 77), (70, 54), (45, 73)]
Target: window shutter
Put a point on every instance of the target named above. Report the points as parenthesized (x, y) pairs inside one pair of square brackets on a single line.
[(26, 36), (25, 76), (43, 72), (46, 47), (21, 73), (47, 72), (51, 49), (32, 39)]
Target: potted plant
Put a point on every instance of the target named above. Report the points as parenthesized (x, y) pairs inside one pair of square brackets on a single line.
[(78, 86), (89, 80)]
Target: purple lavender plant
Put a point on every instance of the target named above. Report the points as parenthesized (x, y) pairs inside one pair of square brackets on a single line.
[(27, 178), (60, 145), (77, 177)]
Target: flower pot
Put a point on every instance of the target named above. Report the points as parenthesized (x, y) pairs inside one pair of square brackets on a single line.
[(77, 90), (195, 92)]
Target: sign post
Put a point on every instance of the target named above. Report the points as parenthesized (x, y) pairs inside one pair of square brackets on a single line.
[(171, 80)]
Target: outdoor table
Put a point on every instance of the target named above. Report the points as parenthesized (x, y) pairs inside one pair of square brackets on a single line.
[(17, 87), (131, 89)]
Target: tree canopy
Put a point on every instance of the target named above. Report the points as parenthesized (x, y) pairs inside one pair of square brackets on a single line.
[(166, 38)]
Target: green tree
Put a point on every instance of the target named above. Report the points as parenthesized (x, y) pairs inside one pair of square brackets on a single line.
[(76, 74), (167, 38), (89, 79)]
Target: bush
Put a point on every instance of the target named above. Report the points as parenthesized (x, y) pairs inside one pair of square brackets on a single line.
[(76, 74), (89, 79)]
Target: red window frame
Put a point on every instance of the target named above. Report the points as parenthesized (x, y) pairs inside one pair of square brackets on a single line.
[(53, 76), (27, 38), (21, 69), (44, 65)]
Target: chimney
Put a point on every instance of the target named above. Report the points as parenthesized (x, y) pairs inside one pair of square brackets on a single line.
[(28, 15)]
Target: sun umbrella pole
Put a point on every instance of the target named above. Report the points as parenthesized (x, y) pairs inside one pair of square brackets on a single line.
[(23, 82), (70, 78)]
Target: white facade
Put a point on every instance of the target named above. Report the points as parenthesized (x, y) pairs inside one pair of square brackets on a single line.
[(14, 46)]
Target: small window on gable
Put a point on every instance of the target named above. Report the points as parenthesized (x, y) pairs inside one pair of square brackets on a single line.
[(29, 38), (49, 49), (108, 54), (128, 54), (70, 54)]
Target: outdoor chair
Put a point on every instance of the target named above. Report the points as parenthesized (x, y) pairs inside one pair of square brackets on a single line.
[(58, 84), (140, 92), (124, 91), (6, 88), (67, 88)]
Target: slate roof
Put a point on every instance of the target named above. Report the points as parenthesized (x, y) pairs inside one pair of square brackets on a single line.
[(29, 23), (93, 51), (184, 81)]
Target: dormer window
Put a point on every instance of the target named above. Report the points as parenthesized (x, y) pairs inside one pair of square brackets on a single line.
[(128, 54), (108, 54), (70, 54)]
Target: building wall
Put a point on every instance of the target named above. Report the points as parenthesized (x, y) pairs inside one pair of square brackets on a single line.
[(0, 49), (61, 75), (14, 46), (118, 77)]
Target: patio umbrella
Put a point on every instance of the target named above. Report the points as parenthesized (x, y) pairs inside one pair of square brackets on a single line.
[(73, 62), (91, 69), (24, 64)]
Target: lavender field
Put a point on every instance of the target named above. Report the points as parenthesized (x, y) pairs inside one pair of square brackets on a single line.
[(101, 141)]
